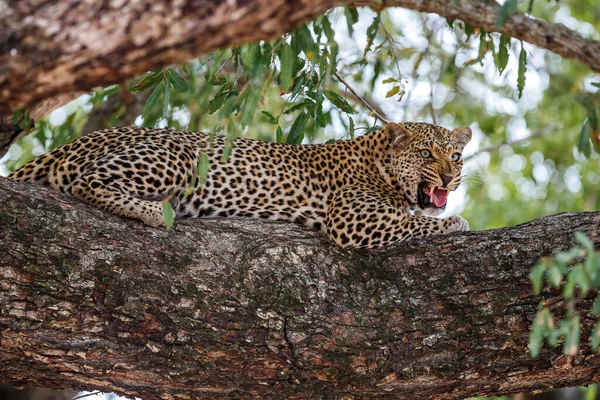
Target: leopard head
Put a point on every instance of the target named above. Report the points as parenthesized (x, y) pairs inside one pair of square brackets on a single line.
[(426, 162)]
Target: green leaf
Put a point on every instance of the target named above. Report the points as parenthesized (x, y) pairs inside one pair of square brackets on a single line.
[(153, 99), (272, 119), (595, 336), (535, 342), (541, 327), (585, 241), (536, 275), (222, 95), (507, 9), (469, 29), (299, 85), (565, 257), (584, 145), (569, 286), (596, 305), (502, 56), (249, 54), (582, 279), (250, 106), (393, 91), (319, 116), (178, 82), (390, 80), (351, 18), (202, 169), (522, 70), (296, 134), (483, 48), (338, 101), (166, 98), (168, 214), (286, 58), (214, 80), (571, 345), (279, 135), (302, 40), (231, 136), (146, 82), (554, 276), (372, 33), (351, 127)]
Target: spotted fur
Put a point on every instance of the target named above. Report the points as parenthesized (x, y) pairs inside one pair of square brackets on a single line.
[(359, 192)]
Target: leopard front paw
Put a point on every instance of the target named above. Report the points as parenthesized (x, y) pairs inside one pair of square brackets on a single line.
[(456, 223)]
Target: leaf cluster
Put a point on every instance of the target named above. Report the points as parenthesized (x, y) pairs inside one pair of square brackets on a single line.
[(577, 272)]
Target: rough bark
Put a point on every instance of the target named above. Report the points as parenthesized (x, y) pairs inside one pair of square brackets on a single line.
[(256, 309), (52, 50)]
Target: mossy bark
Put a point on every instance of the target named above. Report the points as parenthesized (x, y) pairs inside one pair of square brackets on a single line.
[(258, 309)]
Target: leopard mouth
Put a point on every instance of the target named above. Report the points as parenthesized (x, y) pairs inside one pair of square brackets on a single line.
[(432, 196)]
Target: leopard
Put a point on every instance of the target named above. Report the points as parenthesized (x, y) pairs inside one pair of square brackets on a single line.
[(383, 187)]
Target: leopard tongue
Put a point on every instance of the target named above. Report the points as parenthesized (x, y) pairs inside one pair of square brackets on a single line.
[(439, 196)]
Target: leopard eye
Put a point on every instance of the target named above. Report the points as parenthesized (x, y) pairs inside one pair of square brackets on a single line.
[(456, 157), (425, 153)]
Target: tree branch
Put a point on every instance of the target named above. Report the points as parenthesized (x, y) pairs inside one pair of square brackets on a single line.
[(65, 47), (366, 103), (257, 309)]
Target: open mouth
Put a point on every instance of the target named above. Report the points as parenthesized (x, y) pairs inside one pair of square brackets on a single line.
[(432, 196)]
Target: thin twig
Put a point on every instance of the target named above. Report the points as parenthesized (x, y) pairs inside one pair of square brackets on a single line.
[(542, 132), (86, 395), (373, 111)]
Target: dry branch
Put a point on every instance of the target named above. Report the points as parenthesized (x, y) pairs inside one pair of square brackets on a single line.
[(256, 309)]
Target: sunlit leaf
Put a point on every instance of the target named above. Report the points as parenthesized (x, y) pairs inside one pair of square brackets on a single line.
[(168, 214), (393, 91), (554, 276), (279, 135), (202, 169), (571, 345)]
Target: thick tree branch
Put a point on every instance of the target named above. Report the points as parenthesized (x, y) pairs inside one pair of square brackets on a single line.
[(257, 309), (68, 46)]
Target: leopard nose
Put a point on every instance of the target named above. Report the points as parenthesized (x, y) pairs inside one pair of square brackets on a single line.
[(446, 179)]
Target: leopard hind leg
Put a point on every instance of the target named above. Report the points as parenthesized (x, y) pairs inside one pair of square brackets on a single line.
[(130, 187)]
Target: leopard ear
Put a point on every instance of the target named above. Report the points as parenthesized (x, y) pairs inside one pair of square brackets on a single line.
[(462, 136), (397, 134)]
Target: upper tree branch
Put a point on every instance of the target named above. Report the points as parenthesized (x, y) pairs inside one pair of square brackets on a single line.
[(68, 46), (256, 309)]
